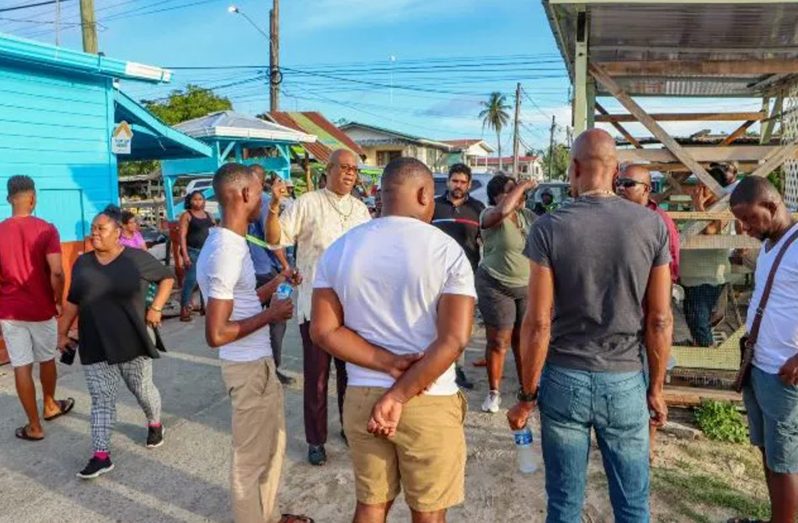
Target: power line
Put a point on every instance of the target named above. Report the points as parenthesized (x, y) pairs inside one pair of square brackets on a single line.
[(28, 6)]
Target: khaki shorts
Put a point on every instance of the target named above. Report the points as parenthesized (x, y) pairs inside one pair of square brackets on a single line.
[(29, 341), (426, 456)]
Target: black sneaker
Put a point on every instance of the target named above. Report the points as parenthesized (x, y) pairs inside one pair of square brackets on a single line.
[(462, 380), (95, 468), (155, 436), (284, 379), (317, 455)]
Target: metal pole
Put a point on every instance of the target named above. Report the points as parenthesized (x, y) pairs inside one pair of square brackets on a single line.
[(515, 128), (551, 145), (88, 25), (274, 56)]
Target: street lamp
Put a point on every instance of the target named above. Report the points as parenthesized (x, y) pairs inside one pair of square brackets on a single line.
[(234, 10)]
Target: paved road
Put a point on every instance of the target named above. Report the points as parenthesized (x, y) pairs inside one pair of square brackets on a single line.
[(186, 479)]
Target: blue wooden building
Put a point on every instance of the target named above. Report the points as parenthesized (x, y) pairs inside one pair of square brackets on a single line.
[(58, 111)]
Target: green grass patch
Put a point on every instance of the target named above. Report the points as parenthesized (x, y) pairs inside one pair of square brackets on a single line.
[(721, 421), (688, 492)]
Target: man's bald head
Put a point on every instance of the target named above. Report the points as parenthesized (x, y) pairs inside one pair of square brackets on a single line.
[(342, 171), (634, 183), (594, 161), (259, 172), (238, 190), (408, 189), (636, 172)]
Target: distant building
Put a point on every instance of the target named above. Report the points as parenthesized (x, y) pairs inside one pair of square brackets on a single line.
[(383, 145), (473, 152), (531, 166)]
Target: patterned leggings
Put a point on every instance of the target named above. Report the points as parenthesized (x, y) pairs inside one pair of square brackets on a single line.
[(102, 380)]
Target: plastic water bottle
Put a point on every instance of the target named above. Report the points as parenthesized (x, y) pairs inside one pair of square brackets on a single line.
[(523, 447), (284, 291)]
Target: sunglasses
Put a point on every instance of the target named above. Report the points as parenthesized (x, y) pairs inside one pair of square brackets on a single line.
[(628, 183)]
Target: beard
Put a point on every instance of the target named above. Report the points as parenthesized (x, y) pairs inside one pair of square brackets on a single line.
[(458, 193)]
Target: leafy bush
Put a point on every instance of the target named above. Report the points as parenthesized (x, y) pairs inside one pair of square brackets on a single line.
[(720, 421)]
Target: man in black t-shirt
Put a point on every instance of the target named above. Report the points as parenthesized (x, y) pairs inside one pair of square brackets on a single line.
[(457, 214)]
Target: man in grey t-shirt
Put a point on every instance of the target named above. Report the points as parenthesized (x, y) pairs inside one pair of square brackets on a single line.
[(602, 266)]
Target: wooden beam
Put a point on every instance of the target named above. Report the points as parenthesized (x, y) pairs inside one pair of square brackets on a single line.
[(618, 127), (706, 215), (772, 162), (737, 133), (676, 167), (685, 117), (770, 124), (670, 68), (718, 241), (654, 128), (713, 153)]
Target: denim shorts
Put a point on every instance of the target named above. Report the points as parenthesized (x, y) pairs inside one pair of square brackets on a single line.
[(773, 420)]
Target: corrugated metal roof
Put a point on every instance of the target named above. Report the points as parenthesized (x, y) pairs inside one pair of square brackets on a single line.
[(229, 124), (329, 136), (697, 32)]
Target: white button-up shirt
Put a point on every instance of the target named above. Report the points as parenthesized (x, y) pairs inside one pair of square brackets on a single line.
[(312, 223)]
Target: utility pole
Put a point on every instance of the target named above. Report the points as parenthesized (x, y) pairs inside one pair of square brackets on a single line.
[(551, 144), (515, 128), (274, 57), (88, 25)]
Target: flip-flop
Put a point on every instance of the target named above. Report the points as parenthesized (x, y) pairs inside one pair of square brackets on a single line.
[(22, 433), (482, 362), (293, 518), (66, 406), (744, 520)]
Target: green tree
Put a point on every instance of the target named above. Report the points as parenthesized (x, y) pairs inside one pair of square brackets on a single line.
[(495, 115), (179, 106), (186, 104), (561, 157)]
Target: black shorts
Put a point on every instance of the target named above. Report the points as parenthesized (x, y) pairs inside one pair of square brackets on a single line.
[(502, 307)]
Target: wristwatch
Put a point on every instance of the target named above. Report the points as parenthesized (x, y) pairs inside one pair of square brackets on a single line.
[(527, 397)]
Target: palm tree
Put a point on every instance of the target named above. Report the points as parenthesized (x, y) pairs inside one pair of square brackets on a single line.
[(495, 115)]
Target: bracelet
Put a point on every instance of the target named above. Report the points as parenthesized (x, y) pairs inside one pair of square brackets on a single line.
[(156, 309)]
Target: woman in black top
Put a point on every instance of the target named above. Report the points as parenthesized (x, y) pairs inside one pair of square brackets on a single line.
[(107, 295), (194, 226)]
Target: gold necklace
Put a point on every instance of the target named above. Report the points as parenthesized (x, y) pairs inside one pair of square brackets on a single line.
[(337, 210), (597, 192)]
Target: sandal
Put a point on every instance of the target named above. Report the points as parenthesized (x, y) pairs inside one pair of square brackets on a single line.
[(292, 518), (22, 433), (185, 314), (481, 362), (744, 520), (66, 406)]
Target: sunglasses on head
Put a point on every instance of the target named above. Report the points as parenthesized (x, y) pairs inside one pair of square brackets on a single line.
[(628, 183)]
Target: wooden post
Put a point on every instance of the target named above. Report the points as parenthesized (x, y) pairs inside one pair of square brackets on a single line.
[(274, 56), (580, 103), (306, 165), (655, 129), (88, 25), (515, 129), (770, 123)]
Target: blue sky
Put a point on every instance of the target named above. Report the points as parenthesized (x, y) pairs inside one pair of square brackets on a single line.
[(447, 55)]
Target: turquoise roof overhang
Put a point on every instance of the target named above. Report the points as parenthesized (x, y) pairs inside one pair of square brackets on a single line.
[(153, 139), (36, 53)]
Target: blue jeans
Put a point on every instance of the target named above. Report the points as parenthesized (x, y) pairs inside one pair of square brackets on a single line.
[(189, 278), (699, 302), (572, 402)]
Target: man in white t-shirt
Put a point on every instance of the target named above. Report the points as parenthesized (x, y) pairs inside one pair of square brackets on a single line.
[(771, 396), (235, 323), (400, 323)]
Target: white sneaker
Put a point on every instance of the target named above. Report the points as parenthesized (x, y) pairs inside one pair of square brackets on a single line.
[(492, 402)]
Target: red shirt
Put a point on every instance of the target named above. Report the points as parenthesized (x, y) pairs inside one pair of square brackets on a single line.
[(25, 290), (673, 236)]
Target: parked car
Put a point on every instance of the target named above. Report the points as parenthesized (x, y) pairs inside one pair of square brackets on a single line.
[(559, 190), (479, 185)]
